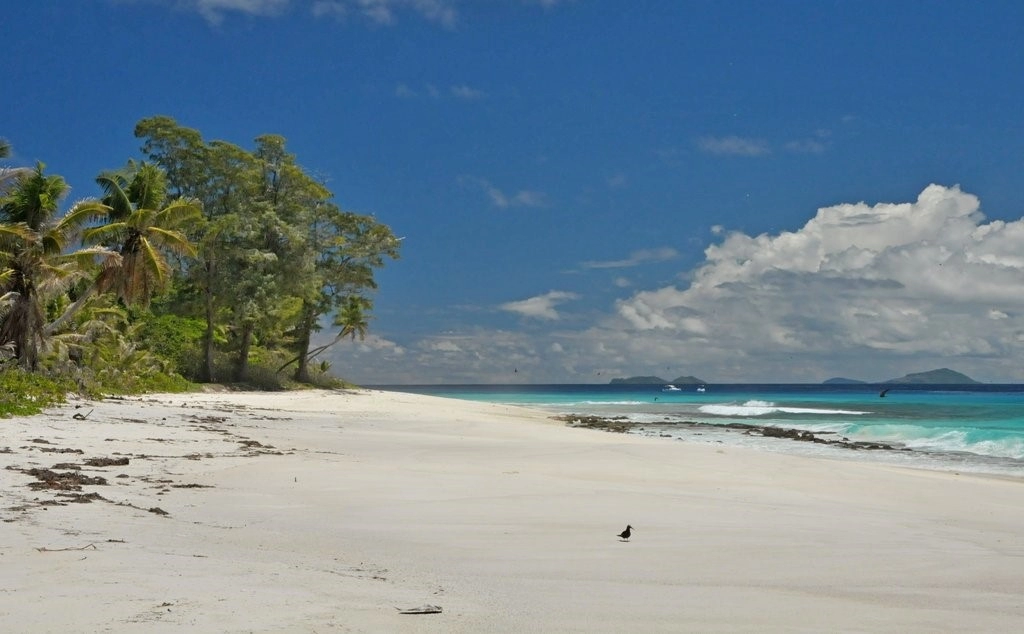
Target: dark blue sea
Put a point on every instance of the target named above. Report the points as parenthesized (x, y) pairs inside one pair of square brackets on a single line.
[(977, 428)]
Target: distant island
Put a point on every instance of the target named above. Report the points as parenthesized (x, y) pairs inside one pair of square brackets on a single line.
[(942, 376), (657, 380)]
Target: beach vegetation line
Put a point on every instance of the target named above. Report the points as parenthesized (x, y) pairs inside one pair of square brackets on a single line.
[(200, 261)]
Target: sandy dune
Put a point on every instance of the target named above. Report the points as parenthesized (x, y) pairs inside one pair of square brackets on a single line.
[(323, 511)]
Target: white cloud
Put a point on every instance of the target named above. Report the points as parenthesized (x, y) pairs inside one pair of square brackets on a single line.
[(502, 200), (636, 258), (460, 91), (870, 291), (918, 279), (215, 10), (380, 12), (444, 13), (806, 146), (384, 12), (330, 8), (541, 306), (465, 92), (734, 145)]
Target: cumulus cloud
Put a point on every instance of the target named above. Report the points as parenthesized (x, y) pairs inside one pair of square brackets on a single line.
[(541, 306), (870, 291), (734, 146), (636, 258), (922, 278)]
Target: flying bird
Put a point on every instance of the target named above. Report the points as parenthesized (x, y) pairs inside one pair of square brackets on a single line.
[(624, 535)]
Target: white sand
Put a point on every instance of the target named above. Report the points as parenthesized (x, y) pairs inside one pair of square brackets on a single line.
[(502, 517)]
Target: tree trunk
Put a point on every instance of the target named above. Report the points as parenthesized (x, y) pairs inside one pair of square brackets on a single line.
[(71, 311), (206, 372), (242, 367), (25, 340), (305, 335)]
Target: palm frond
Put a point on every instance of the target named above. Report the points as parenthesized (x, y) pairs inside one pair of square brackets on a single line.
[(82, 213), (108, 232), (179, 211), (114, 185), (172, 240)]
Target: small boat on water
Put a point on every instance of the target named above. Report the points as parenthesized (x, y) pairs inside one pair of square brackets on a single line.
[(671, 388), (702, 389)]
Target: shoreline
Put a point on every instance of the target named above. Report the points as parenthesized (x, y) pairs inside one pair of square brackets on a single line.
[(791, 439), (326, 511)]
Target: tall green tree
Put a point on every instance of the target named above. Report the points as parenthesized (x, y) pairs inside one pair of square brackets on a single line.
[(36, 258), (276, 248), (220, 176), (347, 249)]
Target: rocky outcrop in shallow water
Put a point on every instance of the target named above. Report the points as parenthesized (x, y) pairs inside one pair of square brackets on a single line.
[(621, 424)]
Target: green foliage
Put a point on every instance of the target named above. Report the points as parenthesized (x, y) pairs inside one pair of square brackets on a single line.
[(176, 339), (207, 261), (24, 393)]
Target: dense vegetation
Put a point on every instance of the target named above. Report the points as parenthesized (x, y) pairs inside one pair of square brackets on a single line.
[(201, 262)]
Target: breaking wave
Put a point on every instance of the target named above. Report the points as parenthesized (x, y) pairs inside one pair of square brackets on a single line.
[(764, 408)]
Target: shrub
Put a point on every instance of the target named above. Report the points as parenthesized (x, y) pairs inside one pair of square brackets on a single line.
[(23, 393)]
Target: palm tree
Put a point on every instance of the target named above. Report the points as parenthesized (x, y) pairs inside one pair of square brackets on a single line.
[(148, 227), (352, 319), (8, 174), (35, 265), (145, 226)]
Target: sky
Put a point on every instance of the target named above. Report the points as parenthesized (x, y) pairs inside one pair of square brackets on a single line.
[(741, 191)]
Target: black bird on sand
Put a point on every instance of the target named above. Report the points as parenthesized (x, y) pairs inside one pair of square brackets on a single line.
[(624, 535)]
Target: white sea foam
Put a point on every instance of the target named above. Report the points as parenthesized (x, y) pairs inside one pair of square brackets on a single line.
[(606, 403), (948, 441), (763, 408)]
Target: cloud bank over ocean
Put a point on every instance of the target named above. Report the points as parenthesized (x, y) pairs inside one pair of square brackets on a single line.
[(889, 287)]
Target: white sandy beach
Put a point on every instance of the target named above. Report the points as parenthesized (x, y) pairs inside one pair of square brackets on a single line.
[(325, 511)]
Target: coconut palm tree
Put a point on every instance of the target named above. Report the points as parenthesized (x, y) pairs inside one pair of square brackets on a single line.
[(145, 227), (35, 263), (8, 174), (353, 321)]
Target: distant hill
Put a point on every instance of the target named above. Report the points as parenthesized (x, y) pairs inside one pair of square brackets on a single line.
[(657, 380), (687, 380), (942, 376), (640, 380)]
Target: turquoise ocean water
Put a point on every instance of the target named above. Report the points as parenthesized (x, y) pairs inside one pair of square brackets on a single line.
[(978, 428)]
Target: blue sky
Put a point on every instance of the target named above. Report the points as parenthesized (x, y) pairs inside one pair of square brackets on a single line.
[(741, 191)]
